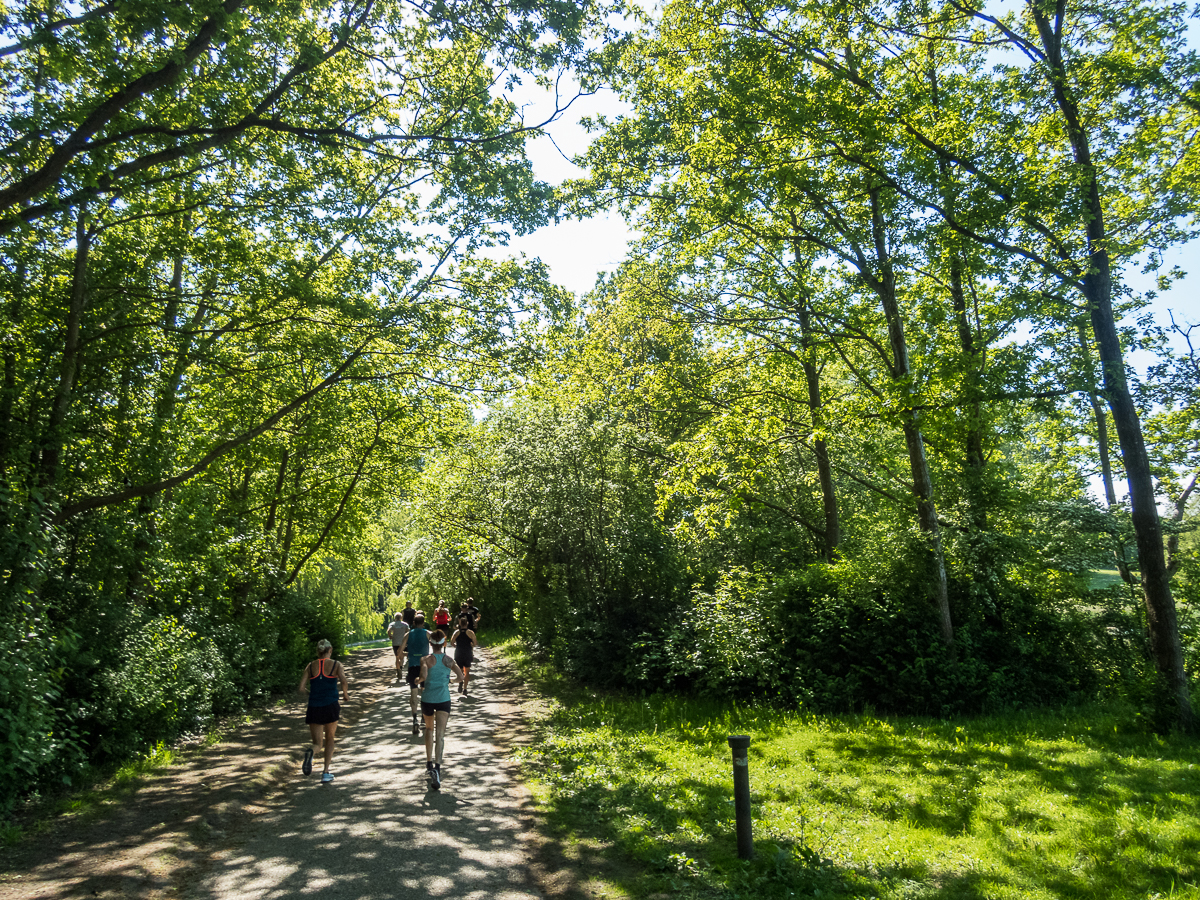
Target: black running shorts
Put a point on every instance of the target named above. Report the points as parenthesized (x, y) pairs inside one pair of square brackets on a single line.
[(430, 708), (322, 715)]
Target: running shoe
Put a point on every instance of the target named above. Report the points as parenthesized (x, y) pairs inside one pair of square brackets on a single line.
[(306, 766), (326, 778), (435, 776), (416, 727)]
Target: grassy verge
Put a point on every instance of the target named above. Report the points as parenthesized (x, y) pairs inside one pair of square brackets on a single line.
[(1105, 578), (1025, 805)]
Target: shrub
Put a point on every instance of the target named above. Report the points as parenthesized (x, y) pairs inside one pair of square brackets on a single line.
[(169, 681)]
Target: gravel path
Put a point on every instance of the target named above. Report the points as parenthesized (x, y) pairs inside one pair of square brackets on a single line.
[(378, 831)]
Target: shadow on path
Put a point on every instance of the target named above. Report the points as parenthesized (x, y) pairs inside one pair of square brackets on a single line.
[(377, 831), (139, 839)]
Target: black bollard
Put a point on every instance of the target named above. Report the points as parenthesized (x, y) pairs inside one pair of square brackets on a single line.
[(741, 795)]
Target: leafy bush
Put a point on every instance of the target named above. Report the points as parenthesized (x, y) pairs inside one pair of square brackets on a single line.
[(829, 639), (169, 681)]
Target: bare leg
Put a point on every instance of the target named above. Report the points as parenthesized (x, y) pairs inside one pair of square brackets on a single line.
[(315, 731), (466, 675), (429, 720), (441, 718), (329, 732)]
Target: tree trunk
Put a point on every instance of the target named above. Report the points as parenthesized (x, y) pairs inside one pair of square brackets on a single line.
[(1102, 444), (976, 461), (1161, 619), (55, 434), (922, 482), (812, 378), (8, 393)]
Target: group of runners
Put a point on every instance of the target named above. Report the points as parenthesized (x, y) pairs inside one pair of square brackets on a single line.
[(427, 673)]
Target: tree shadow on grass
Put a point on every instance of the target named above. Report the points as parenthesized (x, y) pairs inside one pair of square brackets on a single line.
[(944, 790)]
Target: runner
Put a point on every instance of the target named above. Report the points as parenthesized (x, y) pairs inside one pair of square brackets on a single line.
[(435, 704), (416, 642), (396, 630), (441, 616), (321, 678), (409, 613), (463, 641), (471, 611)]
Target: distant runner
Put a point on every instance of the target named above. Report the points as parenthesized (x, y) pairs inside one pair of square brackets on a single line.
[(471, 611), (463, 641), (441, 616), (397, 630)]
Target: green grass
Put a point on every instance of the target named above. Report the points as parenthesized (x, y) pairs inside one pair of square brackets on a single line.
[(1060, 804), (501, 635), (1104, 578)]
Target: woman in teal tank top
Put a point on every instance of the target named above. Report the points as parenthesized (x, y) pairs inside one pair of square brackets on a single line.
[(436, 669)]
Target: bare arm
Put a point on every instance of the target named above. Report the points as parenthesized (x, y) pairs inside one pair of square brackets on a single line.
[(341, 676), (304, 679), (454, 667)]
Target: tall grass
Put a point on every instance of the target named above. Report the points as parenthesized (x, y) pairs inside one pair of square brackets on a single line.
[(1049, 804)]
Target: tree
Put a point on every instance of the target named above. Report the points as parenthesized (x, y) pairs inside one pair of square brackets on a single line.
[(1009, 160), (241, 288)]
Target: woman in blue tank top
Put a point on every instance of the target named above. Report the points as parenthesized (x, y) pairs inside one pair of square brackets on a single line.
[(322, 678), (436, 669), (416, 645)]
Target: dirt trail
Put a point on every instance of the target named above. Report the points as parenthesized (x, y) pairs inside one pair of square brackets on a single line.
[(177, 832), (378, 831), (239, 819)]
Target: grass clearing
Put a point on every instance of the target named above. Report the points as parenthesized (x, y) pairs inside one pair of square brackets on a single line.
[(1048, 804), (1104, 578)]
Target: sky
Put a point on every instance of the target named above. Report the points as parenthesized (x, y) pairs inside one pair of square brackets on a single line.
[(575, 251)]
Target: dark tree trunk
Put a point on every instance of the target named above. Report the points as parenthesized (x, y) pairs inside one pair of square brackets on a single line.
[(8, 393), (812, 379), (922, 481), (55, 434), (1161, 618)]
